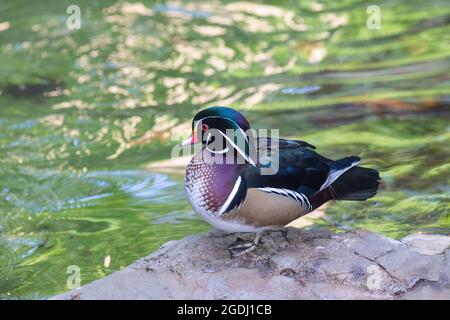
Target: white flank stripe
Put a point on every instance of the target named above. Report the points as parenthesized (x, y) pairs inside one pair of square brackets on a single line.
[(299, 197)]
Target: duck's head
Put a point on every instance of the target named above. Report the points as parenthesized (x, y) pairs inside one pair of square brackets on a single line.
[(221, 126)]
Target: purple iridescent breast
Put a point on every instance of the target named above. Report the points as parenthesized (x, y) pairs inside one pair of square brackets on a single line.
[(208, 184)]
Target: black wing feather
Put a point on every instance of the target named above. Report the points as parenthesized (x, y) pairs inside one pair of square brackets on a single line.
[(299, 166)]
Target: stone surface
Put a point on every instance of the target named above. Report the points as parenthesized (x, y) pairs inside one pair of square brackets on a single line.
[(290, 263), (429, 244)]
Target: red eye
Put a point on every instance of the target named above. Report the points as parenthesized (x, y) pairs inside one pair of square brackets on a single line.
[(205, 127)]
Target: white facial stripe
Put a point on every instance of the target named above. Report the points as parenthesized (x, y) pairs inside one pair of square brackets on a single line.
[(215, 117), (212, 151), (243, 133), (231, 142), (218, 151), (238, 149)]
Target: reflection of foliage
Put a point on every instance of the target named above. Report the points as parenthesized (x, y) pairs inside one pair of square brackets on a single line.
[(413, 161), (133, 61), (121, 214)]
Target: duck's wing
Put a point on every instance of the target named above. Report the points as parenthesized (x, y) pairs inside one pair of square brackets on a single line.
[(283, 143), (283, 166), (291, 168), (288, 168), (287, 164)]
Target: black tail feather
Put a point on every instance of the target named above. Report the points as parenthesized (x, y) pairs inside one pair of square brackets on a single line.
[(356, 184)]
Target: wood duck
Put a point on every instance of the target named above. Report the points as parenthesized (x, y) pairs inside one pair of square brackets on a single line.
[(236, 189)]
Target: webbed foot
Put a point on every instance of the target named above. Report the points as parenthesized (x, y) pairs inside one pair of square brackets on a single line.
[(241, 247)]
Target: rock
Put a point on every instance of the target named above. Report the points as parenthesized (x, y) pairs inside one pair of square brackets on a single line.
[(429, 244), (372, 245), (290, 263)]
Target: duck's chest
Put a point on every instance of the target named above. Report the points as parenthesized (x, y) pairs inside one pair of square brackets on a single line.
[(208, 184)]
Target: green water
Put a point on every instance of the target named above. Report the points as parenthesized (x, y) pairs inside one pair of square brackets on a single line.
[(82, 112)]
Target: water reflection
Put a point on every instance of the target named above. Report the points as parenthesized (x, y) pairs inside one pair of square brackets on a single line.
[(121, 213), (82, 111)]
